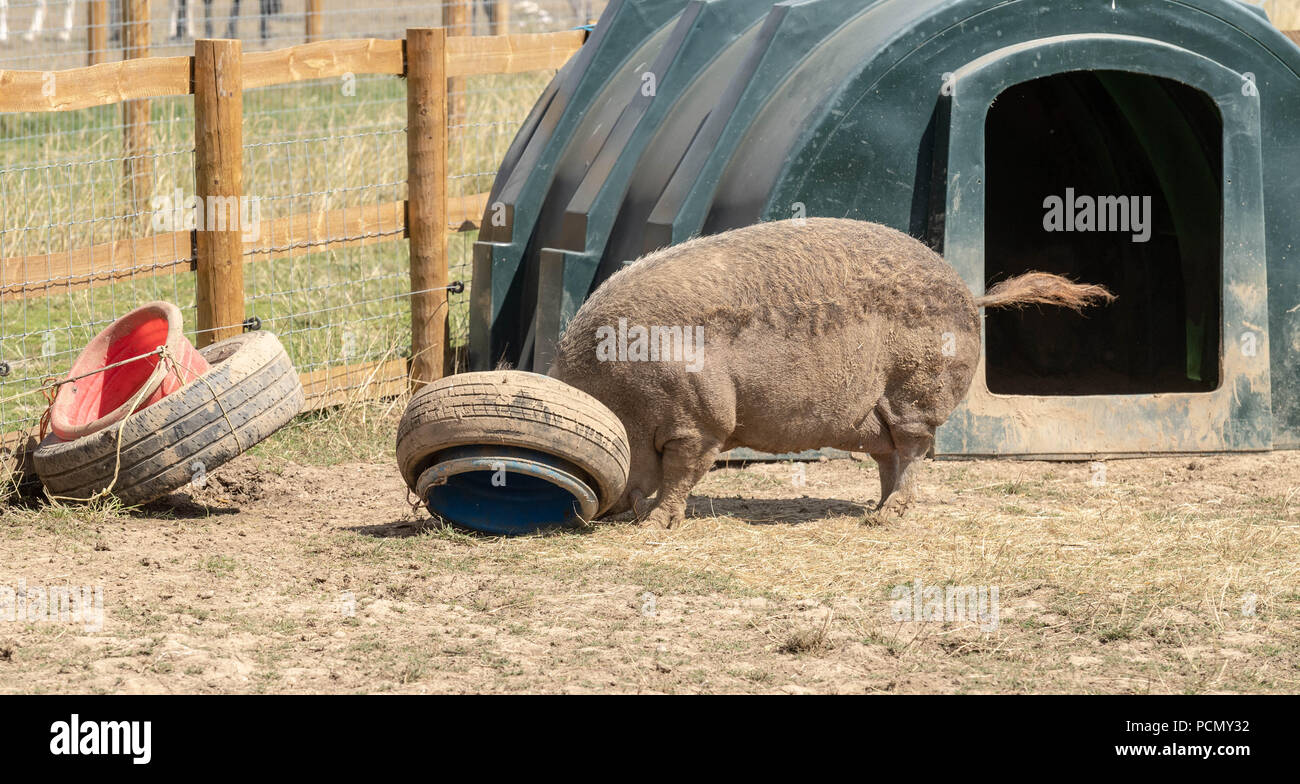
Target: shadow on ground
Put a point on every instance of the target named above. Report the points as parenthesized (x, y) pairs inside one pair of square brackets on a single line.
[(774, 511), (181, 506)]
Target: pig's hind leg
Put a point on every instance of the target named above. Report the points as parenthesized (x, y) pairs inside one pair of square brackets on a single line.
[(872, 435), (887, 463), (904, 439), (910, 448)]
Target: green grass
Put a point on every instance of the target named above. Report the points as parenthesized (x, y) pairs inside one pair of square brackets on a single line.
[(309, 147)]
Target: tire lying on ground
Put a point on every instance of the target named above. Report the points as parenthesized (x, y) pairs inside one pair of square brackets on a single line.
[(458, 431), (250, 391)]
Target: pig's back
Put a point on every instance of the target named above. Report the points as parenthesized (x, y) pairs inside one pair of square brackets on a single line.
[(795, 277)]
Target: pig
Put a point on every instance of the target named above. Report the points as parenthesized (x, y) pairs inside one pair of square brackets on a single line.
[(785, 336)]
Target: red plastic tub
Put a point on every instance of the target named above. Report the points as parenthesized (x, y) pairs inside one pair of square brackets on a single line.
[(98, 401)]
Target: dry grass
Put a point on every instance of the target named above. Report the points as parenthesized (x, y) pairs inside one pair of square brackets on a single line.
[(814, 639), (302, 567), (309, 149), (1285, 14)]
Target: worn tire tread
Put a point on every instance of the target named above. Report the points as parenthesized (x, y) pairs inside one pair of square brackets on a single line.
[(252, 378), (516, 409)]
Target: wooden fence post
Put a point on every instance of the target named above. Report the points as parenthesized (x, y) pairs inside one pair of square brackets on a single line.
[(426, 206), (315, 22), (219, 181), (96, 32), (500, 17), (458, 17), (458, 23), (138, 165)]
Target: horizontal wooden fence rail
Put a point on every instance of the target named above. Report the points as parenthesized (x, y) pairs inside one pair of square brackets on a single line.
[(323, 60), (41, 274), (158, 77), (443, 57), (94, 85)]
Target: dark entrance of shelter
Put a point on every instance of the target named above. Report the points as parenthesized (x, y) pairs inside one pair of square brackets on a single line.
[(1114, 178)]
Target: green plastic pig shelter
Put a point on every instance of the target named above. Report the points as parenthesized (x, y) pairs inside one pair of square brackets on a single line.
[(957, 121)]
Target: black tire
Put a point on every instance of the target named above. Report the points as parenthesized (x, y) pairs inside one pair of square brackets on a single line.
[(251, 386), (514, 408)]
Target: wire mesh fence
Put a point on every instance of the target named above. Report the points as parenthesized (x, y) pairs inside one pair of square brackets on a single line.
[(55, 34), (96, 204)]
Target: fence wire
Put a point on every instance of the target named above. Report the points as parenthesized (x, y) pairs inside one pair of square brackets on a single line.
[(334, 289)]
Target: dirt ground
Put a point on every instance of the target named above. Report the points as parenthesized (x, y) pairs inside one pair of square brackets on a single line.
[(1160, 575)]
